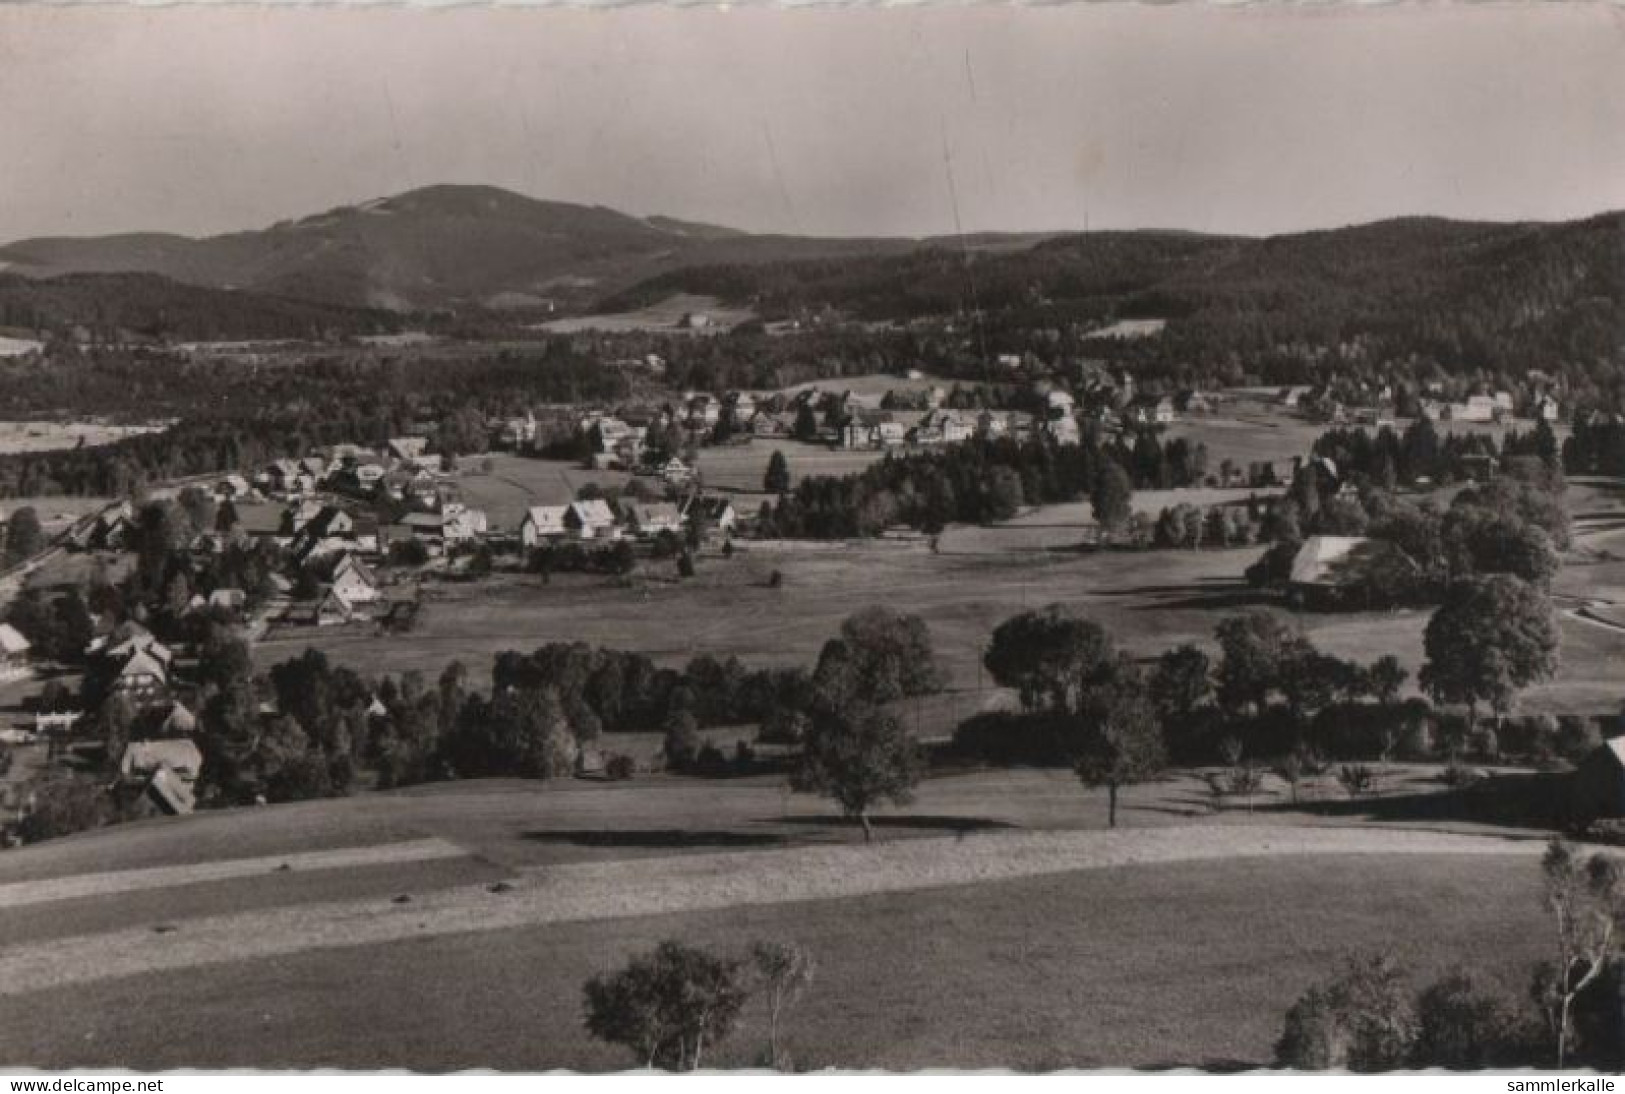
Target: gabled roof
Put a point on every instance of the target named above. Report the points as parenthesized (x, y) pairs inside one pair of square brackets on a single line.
[(349, 564), (145, 757), (143, 663), (713, 508), (1333, 560), (594, 513), (651, 512), (12, 640), (547, 518)]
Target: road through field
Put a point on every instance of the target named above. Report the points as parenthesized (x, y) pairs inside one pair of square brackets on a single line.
[(617, 889)]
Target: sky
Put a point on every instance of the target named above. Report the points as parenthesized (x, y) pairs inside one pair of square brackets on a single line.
[(901, 121)]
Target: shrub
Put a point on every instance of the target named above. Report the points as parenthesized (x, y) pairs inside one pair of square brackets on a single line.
[(62, 807), (1462, 1024), (1357, 780), (682, 743), (1459, 776), (1361, 1019), (1576, 737), (619, 767), (667, 1006), (710, 759)]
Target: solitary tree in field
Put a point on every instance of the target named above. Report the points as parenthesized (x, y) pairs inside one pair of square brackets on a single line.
[(777, 479), (1490, 638), (1586, 901), (667, 1006), (1112, 496), (1119, 739), (783, 971), (858, 756)]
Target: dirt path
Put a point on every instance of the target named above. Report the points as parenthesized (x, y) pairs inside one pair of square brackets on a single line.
[(20, 894), (608, 890)]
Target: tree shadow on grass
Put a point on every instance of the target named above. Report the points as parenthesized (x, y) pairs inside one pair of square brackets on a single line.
[(1533, 799), (959, 825), (655, 837)]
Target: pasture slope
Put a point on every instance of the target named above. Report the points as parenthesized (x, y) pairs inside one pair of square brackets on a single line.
[(995, 923)]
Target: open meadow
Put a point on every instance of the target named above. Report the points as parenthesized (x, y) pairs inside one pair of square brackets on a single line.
[(1150, 601), (994, 925)]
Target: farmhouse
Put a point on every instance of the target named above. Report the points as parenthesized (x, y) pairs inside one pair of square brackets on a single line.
[(1597, 787), (13, 653), (542, 522), (1333, 571)]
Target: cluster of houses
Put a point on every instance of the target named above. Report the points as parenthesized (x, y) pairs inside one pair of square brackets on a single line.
[(1374, 404), (597, 521)]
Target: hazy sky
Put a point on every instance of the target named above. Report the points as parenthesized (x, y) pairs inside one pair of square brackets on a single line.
[(817, 121)]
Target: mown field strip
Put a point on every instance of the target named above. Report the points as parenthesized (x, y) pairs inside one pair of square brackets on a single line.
[(616, 889), (19, 894)]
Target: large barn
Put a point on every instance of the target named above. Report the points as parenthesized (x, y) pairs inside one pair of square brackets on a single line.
[(1598, 788)]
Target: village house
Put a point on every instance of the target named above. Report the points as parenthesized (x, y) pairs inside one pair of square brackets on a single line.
[(109, 530), (1151, 410), (407, 449), (542, 522), (716, 513), (135, 664), (353, 581), (518, 434), (648, 519), (991, 426), (327, 610), (591, 520), (232, 487), (675, 472), (14, 660), (1063, 430), (259, 521), (165, 770)]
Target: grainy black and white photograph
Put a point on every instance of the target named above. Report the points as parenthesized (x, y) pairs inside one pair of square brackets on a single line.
[(1085, 536)]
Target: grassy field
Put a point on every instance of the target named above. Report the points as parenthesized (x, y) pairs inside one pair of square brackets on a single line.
[(42, 436), (515, 483), (1149, 600), (664, 317), (739, 468), (1147, 966)]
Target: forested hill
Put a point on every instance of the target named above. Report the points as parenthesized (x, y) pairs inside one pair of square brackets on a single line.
[(1465, 295), (115, 306)]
